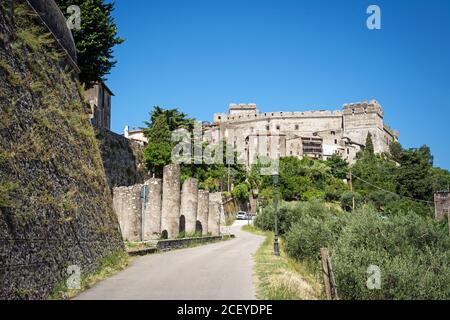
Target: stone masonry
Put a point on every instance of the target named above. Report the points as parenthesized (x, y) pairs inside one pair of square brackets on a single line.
[(189, 204), (442, 205), (154, 209), (170, 212), (203, 210), (317, 134)]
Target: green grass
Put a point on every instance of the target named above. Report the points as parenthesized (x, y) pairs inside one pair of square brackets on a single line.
[(110, 265), (281, 278)]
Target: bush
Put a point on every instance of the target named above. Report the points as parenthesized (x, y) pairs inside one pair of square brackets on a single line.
[(291, 212), (381, 198), (347, 200), (316, 229), (404, 206), (412, 252)]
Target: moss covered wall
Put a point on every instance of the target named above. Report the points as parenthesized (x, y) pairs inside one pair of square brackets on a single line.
[(55, 205)]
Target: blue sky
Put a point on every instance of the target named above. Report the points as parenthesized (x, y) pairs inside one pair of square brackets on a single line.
[(199, 56)]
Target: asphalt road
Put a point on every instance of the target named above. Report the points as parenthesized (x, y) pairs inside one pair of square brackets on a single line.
[(219, 271)]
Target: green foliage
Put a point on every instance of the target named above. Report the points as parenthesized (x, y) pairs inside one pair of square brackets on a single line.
[(402, 206), (395, 150), (413, 176), (412, 252), (174, 119), (373, 173), (290, 213), (241, 192), (369, 150), (440, 179), (347, 200), (96, 38), (339, 167), (7, 190)]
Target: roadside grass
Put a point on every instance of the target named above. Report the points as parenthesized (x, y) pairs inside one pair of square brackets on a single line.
[(281, 278), (230, 219), (109, 266)]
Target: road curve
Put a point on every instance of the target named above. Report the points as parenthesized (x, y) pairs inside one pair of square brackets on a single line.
[(219, 271)]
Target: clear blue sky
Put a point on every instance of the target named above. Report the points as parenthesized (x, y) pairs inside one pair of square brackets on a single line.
[(199, 56)]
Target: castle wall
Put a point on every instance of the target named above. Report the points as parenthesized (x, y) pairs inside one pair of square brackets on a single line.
[(343, 132)]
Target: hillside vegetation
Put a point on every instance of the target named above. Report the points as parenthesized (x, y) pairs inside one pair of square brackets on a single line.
[(391, 224)]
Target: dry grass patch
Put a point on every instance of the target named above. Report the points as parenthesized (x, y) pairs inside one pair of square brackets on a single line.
[(281, 278)]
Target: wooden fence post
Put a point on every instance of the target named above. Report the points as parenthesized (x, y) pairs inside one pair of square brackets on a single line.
[(326, 272)]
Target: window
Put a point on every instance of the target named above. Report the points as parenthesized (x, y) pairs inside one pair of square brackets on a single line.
[(292, 153), (296, 127), (267, 127), (278, 127), (348, 151), (333, 133), (335, 141)]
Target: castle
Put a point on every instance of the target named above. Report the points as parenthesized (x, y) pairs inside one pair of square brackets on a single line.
[(317, 134)]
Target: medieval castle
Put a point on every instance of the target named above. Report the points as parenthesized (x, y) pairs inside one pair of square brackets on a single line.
[(316, 134)]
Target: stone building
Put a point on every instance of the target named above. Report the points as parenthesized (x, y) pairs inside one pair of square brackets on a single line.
[(135, 135), (99, 97), (317, 134)]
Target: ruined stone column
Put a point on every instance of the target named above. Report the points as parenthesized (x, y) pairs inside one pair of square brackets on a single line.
[(189, 204), (203, 210), (128, 208), (214, 215), (170, 212), (152, 218)]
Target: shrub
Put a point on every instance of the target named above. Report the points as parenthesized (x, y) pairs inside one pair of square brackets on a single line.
[(404, 206), (347, 200), (312, 232), (412, 252)]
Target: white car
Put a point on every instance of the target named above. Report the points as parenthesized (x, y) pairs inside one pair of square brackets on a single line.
[(242, 215)]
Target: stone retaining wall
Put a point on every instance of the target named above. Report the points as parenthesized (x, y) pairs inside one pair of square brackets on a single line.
[(159, 209)]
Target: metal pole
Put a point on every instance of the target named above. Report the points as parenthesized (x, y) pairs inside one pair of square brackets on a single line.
[(276, 245)]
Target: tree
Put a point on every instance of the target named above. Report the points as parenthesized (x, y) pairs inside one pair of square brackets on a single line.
[(174, 119), (369, 150), (395, 149), (414, 174), (95, 40), (158, 152), (339, 167)]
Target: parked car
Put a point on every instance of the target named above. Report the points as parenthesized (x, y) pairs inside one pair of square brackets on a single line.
[(241, 215)]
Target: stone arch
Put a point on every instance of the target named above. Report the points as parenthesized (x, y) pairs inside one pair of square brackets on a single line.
[(182, 224), (164, 234), (198, 227)]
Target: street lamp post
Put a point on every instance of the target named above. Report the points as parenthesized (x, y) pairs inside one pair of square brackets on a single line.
[(276, 245)]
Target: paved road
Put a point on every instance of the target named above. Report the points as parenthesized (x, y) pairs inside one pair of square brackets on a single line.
[(219, 271)]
